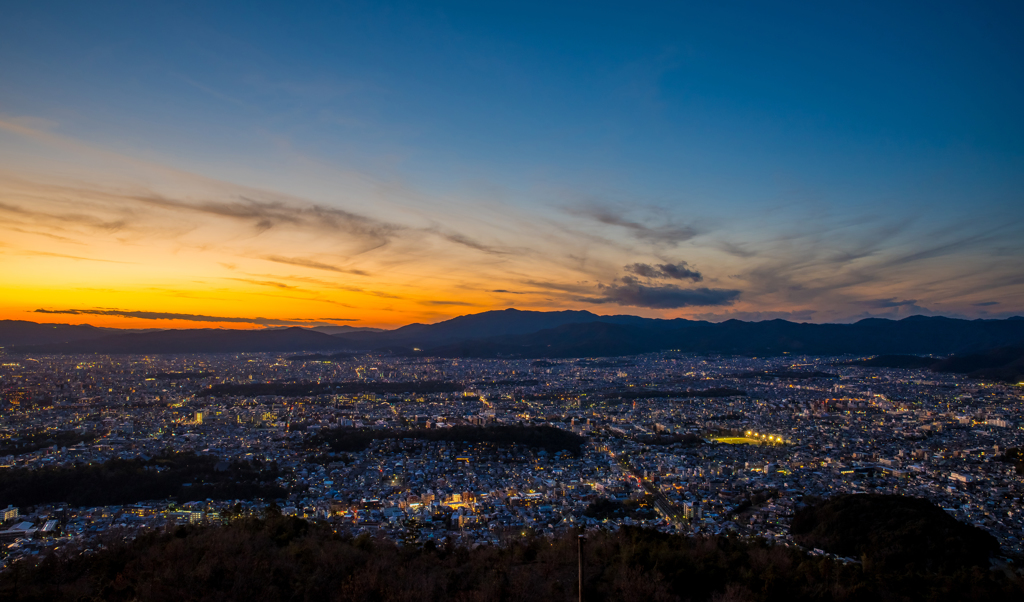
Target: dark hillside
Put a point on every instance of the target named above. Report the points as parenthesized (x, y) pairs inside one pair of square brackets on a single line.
[(185, 476), (893, 533)]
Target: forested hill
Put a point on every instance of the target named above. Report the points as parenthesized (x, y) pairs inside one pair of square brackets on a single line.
[(892, 532), (289, 559), (1004, 364)]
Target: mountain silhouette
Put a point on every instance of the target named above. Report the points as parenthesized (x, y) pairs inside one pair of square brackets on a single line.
[(563, 334)]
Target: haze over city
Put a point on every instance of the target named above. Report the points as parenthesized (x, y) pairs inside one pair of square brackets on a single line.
[(245, 165)]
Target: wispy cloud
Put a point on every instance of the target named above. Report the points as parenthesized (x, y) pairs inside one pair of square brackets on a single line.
[(67, 217), (737, 249), (466, 241), (443, 302), (309, 263), (580, 288), (264, 214), (887, 303), (665, 232), (963, 239), (49, 235), (317, 282), (75, 257), (270, 283)]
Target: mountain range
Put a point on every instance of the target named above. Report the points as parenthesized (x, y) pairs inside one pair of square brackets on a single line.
[(532, 334)]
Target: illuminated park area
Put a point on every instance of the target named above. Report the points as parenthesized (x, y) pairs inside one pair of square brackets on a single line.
[(738, 440), (753, 438)]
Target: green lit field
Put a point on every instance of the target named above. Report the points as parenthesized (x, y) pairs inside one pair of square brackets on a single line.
[(738, 440)]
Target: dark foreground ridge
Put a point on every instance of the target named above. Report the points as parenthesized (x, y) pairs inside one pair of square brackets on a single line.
[(281, 558)]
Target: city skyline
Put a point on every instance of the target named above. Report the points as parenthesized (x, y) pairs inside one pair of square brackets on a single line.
[(379, 165)]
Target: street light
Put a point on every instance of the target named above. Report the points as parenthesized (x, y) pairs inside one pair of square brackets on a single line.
[(580, 539)]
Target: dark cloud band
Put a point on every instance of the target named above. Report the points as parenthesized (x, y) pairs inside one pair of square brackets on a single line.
[(675, 271), (663, 297), (152, 315)]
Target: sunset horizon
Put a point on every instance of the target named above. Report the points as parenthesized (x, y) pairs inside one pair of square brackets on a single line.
[(354, 300), (390, 168)]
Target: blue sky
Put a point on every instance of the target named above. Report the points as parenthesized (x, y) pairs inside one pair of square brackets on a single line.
[(769, 132)]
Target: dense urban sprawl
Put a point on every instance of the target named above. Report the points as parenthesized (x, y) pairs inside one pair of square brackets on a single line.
[(674, 442)]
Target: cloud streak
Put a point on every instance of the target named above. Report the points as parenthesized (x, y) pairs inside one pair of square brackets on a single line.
[(669, 233), (75, 257), (466, 241), (266, 214), (269, 283), (888, 303), (154, 315), (443, 302), (309, 263)]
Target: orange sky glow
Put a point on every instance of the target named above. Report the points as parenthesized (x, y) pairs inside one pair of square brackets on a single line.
[(93, 236)]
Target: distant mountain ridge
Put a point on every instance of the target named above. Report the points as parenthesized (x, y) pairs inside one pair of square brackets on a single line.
[(22, 332), (916, 335), (343, 329), (193, 341), (506, 322), (514, 333)]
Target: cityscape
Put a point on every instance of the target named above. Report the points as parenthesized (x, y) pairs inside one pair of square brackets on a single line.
[(667, 441), (347, 301)]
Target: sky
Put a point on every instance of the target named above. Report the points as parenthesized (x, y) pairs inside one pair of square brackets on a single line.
[(254, 164)]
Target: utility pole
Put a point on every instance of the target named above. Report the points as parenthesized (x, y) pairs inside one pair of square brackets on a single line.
[(579, 554)]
